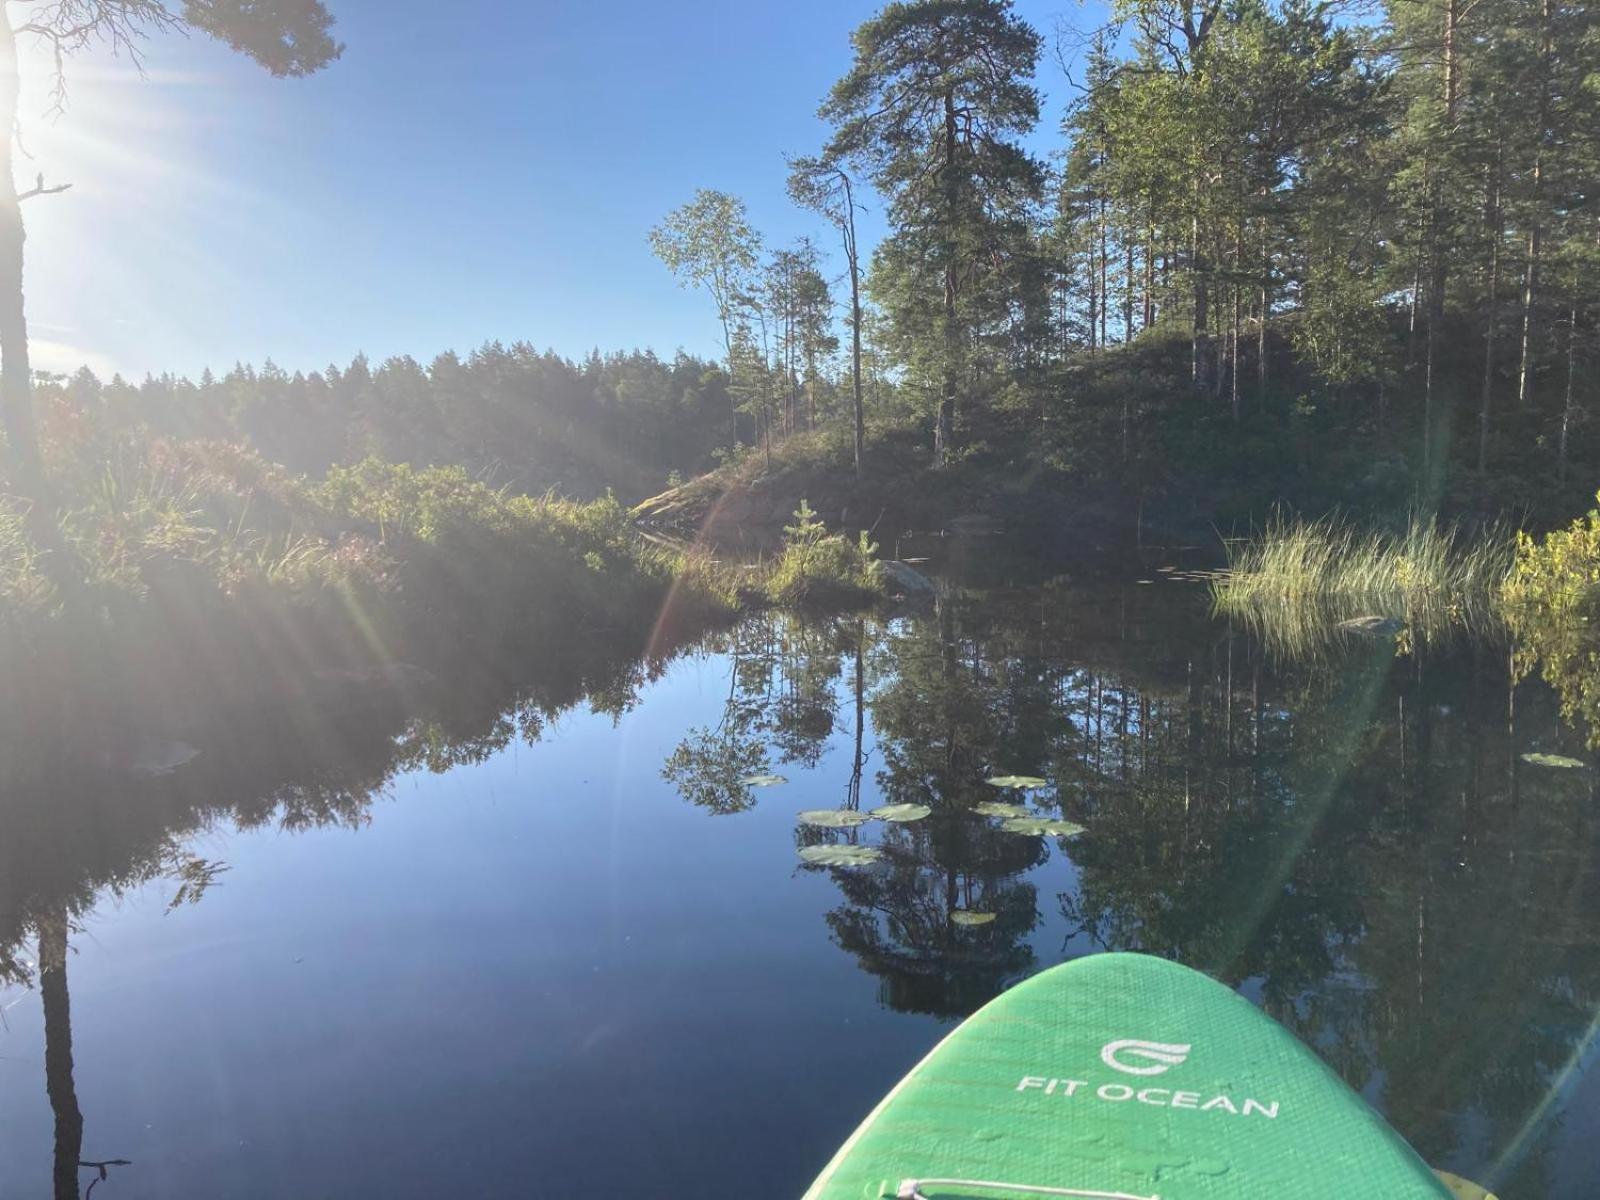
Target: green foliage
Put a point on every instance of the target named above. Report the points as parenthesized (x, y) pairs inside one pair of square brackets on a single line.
[(1557, 577), (1552, 601), (709, 243), (933, 110), (818, 567), (289, 40)]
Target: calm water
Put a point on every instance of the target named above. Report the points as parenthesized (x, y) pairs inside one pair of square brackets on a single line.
[(467, 937)]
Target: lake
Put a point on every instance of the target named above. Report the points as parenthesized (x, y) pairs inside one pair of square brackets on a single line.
[(531, 931)]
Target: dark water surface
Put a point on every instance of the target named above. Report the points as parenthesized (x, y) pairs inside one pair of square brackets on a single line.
[(431, 939)]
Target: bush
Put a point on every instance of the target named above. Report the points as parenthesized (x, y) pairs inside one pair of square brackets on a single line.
[(1557, 578), (818, 567), (1551, 600)]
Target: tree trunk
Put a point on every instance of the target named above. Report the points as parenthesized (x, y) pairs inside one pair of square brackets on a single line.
[(1094, 302), (1566, 410), (16, 373), (1437, 260), (852, 257), (58, 1080), (1127, 294), (1492, 204), (944, 423), (1105, 289), (1149, 274), (859, 760), (1530, 282), (1452, 63), (1197, 353), (1238, 316), (1219, 343), (1261, 328), (1423, 235), (1535, 231)]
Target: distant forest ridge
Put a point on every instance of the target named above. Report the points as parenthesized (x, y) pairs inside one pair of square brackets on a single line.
[(513, 416)]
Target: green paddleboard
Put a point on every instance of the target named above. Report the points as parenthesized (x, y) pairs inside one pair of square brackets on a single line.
[(1124, 1077)]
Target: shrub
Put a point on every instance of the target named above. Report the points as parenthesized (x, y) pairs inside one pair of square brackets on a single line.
[(1557, 578), (1551, 600), (818, 567)]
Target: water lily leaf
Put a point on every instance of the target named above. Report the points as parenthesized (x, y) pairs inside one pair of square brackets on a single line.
[(1041, 827), (841, 856), (763, 780), (999, 808), (1025, 782), (833, 818), (963, 916), (900, 812), (1554, 760)]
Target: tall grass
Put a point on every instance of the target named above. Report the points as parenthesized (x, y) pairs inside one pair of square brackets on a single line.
[(1299, 580)]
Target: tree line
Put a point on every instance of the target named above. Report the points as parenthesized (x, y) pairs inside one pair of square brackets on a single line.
[(511, 415), (1387, 212)]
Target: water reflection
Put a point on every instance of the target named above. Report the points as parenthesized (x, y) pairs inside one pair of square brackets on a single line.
[(1356, 841), (96, 807)]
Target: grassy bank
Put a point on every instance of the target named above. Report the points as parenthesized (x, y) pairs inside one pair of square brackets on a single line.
[(374, 557), (201, 524)]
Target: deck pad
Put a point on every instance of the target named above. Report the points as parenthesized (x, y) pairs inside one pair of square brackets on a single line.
[(1126, 1076)]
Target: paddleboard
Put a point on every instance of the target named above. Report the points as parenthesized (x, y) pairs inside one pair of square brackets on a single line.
[(1124, 1077)]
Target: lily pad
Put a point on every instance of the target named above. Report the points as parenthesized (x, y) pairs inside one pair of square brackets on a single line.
[(963, 916), (1025, 782), (841, 856), (763, 780), (999, 808), (1041, 827), (1555, 760), (900, 812), (833, 818)]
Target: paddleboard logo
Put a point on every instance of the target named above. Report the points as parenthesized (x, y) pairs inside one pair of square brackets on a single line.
[(1133, 1057)]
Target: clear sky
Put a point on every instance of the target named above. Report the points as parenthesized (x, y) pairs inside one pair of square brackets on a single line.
[(478, 170)]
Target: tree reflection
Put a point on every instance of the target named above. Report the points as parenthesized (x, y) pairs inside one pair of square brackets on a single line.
[(1353, 840), (89, 812), (781, 706)]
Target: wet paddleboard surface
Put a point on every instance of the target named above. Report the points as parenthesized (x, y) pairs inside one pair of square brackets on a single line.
[(1125, 1076)]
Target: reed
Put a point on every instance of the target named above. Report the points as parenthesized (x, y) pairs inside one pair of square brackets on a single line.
[(1298, 582)]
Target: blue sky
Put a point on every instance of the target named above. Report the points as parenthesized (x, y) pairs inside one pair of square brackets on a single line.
[(479, 170)]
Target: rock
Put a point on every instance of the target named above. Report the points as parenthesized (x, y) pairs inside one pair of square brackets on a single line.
[(1372, 626)]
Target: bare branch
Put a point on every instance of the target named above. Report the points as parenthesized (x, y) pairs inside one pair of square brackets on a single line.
[(72, 25), (39, 189)]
